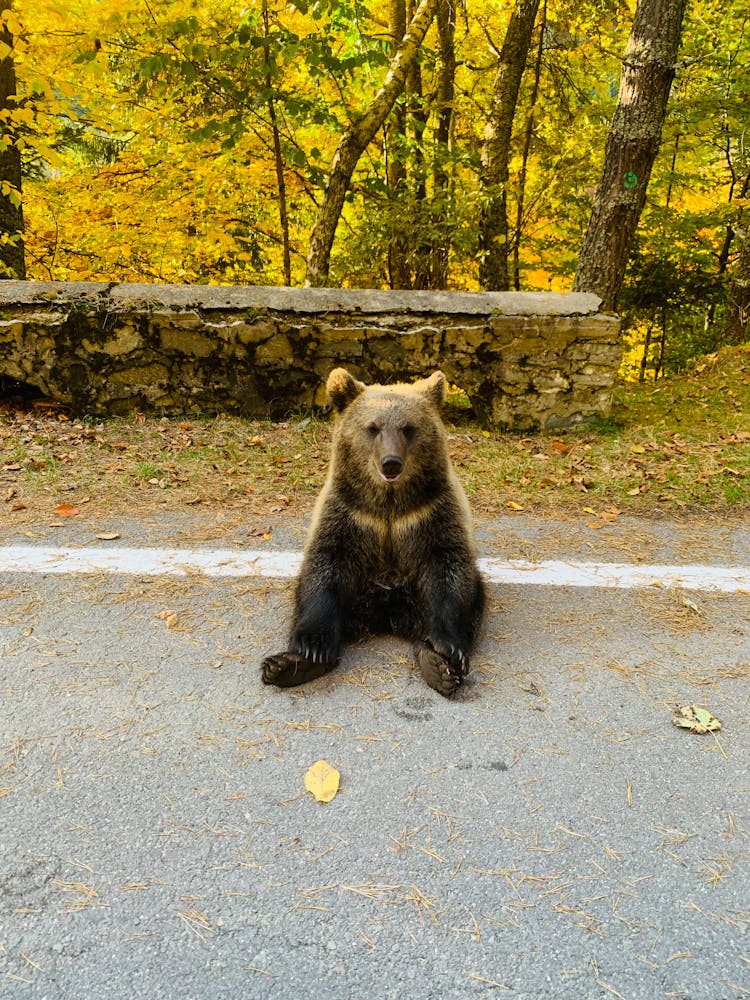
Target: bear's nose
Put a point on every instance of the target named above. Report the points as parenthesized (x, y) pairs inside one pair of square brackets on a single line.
[(391, 467)]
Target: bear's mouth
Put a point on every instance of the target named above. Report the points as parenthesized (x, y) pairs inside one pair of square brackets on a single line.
[(390, 477), (390, 468)]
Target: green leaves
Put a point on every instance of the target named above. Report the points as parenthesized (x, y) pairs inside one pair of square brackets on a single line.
[(7, 190)]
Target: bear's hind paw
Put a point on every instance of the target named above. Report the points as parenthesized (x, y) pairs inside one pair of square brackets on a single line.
[(439, 673), (290, 669)]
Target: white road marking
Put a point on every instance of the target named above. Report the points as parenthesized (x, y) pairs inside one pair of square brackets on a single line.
[(283, 565), (147, 561)]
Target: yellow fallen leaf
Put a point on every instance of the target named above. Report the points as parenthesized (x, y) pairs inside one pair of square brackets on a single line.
[(696, 719), (512, 505), (322, 780)]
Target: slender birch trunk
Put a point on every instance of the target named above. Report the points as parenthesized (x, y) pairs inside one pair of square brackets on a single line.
[(355, 140)]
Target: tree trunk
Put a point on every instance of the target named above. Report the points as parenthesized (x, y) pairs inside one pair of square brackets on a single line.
[(442, 193), (418, 118), (399, 272), (277, 153), (646, 349), (493, 178), (726, 247), (354, 142), (527, 137), (737, 329), (632, 145), (12, 261)]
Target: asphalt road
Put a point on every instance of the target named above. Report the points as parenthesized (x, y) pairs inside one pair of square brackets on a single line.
[(547, 834)]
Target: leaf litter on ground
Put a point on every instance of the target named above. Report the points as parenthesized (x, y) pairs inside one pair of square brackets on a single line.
[(679, 444)]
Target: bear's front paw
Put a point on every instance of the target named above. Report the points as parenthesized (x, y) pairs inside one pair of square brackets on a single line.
[(442, 674), (290, 669)]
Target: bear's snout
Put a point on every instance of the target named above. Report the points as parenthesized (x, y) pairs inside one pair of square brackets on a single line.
[(390, 452), (390, 467)]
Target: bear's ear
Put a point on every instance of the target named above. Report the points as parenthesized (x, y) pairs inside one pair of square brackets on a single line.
[(343, 389), (432, 387)]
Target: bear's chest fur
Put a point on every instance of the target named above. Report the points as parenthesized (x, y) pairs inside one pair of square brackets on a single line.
[(389, 548)]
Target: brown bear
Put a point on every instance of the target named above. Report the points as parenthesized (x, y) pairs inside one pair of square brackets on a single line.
[(390, 548)]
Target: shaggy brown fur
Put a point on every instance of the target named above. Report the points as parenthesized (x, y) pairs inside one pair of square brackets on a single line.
[(390, 548)]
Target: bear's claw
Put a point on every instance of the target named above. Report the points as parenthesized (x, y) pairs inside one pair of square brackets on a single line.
[(290, 669), (454, 655), (442, 675)]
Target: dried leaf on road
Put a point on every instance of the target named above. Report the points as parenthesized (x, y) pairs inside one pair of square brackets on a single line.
[(696, 719), (322, 780)]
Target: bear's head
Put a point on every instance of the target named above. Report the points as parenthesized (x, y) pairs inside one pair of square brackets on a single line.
[(388, 435)]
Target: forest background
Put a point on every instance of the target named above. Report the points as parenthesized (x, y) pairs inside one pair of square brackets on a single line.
[(178, 141)]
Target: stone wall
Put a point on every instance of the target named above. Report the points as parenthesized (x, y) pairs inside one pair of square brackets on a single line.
[(526, 360)]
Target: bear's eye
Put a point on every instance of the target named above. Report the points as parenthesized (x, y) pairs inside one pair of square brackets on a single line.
[(409, 431), (373, 430)]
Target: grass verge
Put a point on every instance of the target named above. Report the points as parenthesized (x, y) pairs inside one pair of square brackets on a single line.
[(681, 444)]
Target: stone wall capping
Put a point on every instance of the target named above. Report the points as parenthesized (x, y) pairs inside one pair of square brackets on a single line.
[(526, 360), (303, 300)]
